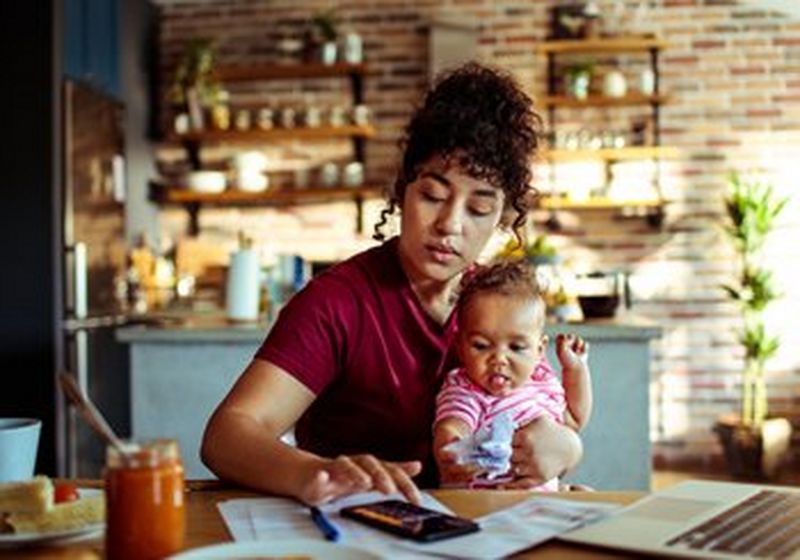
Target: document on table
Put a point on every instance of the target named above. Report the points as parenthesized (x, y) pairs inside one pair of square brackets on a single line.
[(269, 519), (503, 532), (534, 521)]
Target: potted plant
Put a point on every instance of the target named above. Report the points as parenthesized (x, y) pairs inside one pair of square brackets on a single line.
[(323, 35), (562, 306), (754, 443), (577, 78), (194, 84), (542, 252)]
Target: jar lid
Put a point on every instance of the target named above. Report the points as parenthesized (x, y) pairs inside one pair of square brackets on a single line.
[(150, 453)]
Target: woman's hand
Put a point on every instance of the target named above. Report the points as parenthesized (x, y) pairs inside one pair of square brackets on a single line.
[(543, 450), (333, 478)]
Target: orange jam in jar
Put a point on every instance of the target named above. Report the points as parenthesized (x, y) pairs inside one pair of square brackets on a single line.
[(145, 505)]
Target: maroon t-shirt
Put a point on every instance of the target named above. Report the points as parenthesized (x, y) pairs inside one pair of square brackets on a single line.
[(358, 337)]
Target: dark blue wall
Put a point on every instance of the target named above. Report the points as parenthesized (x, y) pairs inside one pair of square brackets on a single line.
[(27, 215), (91, 43)]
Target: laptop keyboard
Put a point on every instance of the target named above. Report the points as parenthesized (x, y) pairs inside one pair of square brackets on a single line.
[(766, 525)]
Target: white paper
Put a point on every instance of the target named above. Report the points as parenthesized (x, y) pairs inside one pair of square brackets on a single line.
[(513, 529), (236, 514), (502, 533), (269, 519)]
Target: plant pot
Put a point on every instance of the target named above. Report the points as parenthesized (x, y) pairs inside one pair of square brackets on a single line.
[(328, 51), (754, 453), (577, 85)]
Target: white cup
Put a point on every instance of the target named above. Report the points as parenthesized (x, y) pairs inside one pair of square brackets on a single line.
[(19, 445)]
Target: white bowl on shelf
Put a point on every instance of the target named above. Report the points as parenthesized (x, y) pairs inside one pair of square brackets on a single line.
[(206, 181), (250, 181)]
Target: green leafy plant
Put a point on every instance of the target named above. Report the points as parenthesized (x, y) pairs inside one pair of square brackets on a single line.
[(752, 208), (561, 297), (194, 75), (326, 24), (585, 68), (540, 247)]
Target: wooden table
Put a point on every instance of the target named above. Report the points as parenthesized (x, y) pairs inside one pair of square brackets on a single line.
[(205, 525)]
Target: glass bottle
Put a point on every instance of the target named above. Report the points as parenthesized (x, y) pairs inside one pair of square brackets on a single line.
[(145, 507)]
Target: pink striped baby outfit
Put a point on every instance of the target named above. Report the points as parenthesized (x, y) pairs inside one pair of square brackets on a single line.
[(542, 394)]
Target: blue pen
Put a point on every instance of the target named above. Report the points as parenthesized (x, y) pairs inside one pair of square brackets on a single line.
[(328, 529)]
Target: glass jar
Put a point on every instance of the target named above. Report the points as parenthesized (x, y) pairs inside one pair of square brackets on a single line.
[(145, 507)]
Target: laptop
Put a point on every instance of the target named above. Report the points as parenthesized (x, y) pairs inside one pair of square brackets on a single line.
[(704, 519)]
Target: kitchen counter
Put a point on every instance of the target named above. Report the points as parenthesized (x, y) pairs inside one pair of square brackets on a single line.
[(194, 329), (215, 328), (182, 367)]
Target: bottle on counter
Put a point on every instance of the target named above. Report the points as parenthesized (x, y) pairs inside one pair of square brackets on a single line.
[(243, 287), (145, 504)]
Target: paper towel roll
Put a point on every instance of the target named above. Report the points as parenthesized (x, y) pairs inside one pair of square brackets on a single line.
[(242, 295)]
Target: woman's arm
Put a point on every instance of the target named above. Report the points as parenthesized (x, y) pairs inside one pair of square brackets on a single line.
[(242, 444), (543, 450)]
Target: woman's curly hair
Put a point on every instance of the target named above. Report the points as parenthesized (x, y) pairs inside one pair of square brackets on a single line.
[(481, 116), (508, 277)]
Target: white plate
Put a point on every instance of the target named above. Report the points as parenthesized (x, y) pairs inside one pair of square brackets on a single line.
[(294, 547), (11, 540)]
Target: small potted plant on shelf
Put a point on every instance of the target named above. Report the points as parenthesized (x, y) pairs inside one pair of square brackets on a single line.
[(578, 78), (753, 442), (194, 85), (322, 36)]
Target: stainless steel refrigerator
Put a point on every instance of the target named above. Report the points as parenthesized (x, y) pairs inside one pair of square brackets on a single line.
[(94, 258)]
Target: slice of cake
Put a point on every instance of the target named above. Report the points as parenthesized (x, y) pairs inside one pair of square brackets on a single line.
[(28, 496), (88, 510)]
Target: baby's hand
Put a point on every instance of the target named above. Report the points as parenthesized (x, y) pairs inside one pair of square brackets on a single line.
[(572, 352), (450, 471)]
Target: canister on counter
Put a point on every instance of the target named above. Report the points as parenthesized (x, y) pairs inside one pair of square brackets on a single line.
[(242, 291)]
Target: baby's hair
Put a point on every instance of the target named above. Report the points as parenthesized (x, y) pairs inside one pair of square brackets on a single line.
[(508, 277), (480, 116)]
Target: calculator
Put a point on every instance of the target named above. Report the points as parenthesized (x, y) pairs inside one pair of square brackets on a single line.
[(410, 521)]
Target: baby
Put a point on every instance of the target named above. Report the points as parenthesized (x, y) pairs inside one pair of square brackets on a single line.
[(504, 379)]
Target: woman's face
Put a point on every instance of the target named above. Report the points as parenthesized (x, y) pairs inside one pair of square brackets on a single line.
[(447, 218)]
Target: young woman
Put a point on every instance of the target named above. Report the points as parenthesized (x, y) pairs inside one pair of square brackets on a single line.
[(354, 361)]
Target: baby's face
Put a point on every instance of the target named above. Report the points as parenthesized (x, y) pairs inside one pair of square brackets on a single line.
[(501, 341)]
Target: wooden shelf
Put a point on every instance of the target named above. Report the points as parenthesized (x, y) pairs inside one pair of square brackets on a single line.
[(176, 195), (597, 203), (604, 101), (257, 135), (192, 142), (612, 154), (258, 72), (601, 45)]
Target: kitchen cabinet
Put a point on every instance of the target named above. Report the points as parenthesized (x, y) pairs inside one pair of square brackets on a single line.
[(193, 141), (605, 147), (91, 43)]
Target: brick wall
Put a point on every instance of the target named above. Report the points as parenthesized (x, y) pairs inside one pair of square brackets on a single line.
[(735, 74)]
